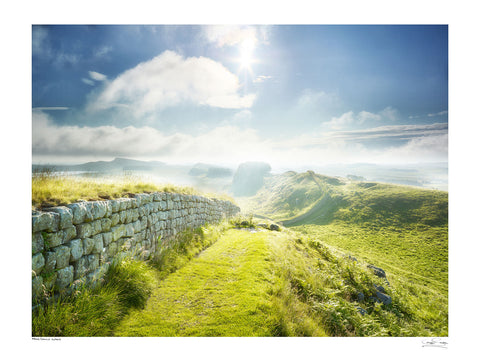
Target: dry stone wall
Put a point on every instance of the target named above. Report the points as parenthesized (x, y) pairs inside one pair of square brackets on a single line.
[(76, 243)]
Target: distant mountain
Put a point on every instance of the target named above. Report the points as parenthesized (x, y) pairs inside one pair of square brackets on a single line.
[(248, 178), (117, 164), (210, 171)]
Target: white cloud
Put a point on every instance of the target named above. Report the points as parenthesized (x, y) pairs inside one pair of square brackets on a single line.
[(40, 47), (262, 78), (388, 114), (311, 97), (229, 35), (102, 52), (341, 121), (170, 79), (88, 82), (97, 76), (230, 144), (438, 114)]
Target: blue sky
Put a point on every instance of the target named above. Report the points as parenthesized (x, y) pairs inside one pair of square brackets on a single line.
[(286, 94)]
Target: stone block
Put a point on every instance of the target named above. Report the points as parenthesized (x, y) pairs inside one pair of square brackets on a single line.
[(88, 246), (129, 230), (107, 238), (37, 287), (64, 277), (66, 216), (96, 227), (62, 255), (115, 219), (80, 213), (37, 243), (76, 249), (93, 262), (52, 240), (38, 263), (81, 267), (84, 230), (45, 221), (117, 232), (50, 261), (98, 209), (97, 244)]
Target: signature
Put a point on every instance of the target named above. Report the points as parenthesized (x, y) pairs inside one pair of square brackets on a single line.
[(435, 342)]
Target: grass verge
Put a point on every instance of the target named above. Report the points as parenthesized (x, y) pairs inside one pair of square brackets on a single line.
[(50, 190)]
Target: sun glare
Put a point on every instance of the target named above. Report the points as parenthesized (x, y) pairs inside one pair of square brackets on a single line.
[(246, 53)]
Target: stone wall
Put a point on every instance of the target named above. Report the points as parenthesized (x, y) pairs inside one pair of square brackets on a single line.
[(78, 241)]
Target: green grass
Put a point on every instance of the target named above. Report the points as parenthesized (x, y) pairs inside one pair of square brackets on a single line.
[(402, 229), (231, 281), (54, 190), (96, 311), (222, 292)]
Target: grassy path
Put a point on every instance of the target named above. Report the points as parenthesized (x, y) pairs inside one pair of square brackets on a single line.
[(225, 291)]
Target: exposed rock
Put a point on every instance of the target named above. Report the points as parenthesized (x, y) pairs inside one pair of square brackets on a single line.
[(362, 311), (377, 271), (384, 298), (274, 227)]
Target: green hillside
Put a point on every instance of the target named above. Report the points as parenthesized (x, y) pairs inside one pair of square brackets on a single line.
[(244, 280), (351, 259), (402, 229)]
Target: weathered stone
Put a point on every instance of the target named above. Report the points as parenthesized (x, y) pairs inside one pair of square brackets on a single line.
[(274, 227), (37, 287), (64, 277), (123, 216), (76, 249), (98, 209), (96, 277), (129, 230), (117, 232), (115, 219), (66, 216), (62, 254), (93, 262), (80, 213), (377, 271), (361, 310), (106, 224), (50, 261), (97, 243), (45, 221), (69, 234), (384, 298), (84, 230), (38, 263), (111, 250), (37, 243), (81, 267), (96, 227), (52, 240), (107, 238), (88, 246)]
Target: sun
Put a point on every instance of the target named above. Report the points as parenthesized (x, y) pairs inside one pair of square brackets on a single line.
[(246, 53)]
